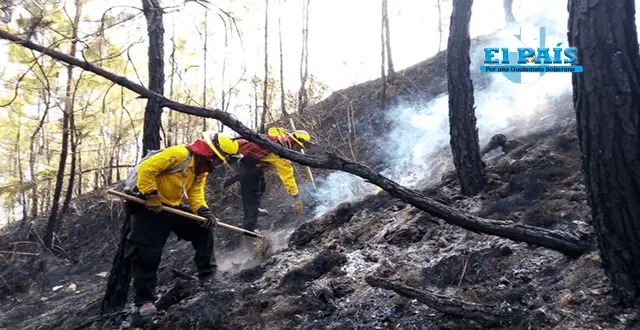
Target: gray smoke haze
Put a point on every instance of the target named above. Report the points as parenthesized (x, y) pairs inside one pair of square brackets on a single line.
[(413, 149)]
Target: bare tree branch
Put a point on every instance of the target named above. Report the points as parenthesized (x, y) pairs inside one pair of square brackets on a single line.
[(15, 91), (488, 314), (133, 66)]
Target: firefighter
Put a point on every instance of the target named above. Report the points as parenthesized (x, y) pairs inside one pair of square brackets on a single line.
[(256, 160), (151, 226)]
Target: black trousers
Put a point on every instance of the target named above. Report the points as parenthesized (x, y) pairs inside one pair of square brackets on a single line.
[(252, 187), (146, 239)]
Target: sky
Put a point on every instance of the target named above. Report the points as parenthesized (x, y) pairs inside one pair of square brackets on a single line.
[(344, 37)]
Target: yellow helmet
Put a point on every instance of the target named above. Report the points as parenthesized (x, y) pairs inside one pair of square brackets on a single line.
[(224, 147), (301, 137)]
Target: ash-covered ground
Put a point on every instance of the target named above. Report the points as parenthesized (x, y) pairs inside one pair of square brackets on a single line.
[(320, 275)]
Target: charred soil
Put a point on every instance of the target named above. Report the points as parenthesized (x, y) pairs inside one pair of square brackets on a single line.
[(374, 263)]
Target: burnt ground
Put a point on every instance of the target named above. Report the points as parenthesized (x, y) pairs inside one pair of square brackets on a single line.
[(317, 278), (322, 273)]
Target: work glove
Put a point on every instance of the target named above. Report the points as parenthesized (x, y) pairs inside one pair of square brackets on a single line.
[(211, 221), (297, 206), (152, 202)]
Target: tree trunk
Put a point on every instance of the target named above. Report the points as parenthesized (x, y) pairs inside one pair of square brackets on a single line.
[(607, 98), (153, 111), (119, 146), (462, 118), (46, 206), (387, 36), (226, 95), (23, 191), (255, 106), (440, 28), (80, 178), (265, 109), (567, 243), (303, 96), (383, 62), (72, 172), (204, 64), (508, 12), (68, 107), (32, 159), (103, 157), (172, 136), (187, 131), (117, 166), (74, 156), (282, 91)]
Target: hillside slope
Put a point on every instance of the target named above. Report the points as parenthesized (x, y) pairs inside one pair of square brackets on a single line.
[(324, 272)]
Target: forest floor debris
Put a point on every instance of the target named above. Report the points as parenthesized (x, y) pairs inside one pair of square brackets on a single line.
[(341, 270)]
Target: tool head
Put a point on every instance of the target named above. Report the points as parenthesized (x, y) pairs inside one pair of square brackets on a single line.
[(263, 247)]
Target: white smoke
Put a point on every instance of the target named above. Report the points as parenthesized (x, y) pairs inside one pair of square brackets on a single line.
[(413, 149)]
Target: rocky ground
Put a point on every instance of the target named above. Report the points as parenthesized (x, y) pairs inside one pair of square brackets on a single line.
[(345, 269)]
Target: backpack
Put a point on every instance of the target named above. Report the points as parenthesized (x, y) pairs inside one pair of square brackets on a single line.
[(132, 174)]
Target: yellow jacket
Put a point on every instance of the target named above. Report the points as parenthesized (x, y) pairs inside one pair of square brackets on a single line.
[(285, 172), (170, 186)]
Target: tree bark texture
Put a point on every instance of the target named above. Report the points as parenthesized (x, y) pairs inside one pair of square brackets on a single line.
[(32, 160), (80, 178), (383, 62), (226, 94), (204, 65), (265, 82), (172, 136), (303, 94), (255, 106), (487, 314), (282, 91), (23, 192), (387, 37), (153, 111), (462, 118), (68, 108), (556, 240), (606, 97), (74, 151)]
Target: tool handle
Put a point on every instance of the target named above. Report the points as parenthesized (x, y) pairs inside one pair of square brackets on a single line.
[(309, 174), (185, 214)]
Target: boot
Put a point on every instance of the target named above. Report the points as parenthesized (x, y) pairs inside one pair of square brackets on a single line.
[(147, 310), (205, 280)]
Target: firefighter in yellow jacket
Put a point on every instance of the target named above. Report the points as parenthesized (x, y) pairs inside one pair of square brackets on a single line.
[(255, 160), (151, 226)]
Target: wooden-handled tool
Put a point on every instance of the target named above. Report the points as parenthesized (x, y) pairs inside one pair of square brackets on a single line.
[(309, 174), (186, 214)]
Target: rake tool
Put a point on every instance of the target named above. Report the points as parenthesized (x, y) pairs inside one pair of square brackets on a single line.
[(263, 247)]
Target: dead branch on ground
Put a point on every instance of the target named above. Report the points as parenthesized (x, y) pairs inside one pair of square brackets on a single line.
[(488, 314)]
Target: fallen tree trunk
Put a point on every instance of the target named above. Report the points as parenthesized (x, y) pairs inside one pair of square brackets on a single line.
[(487, 314), (552, 239)]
